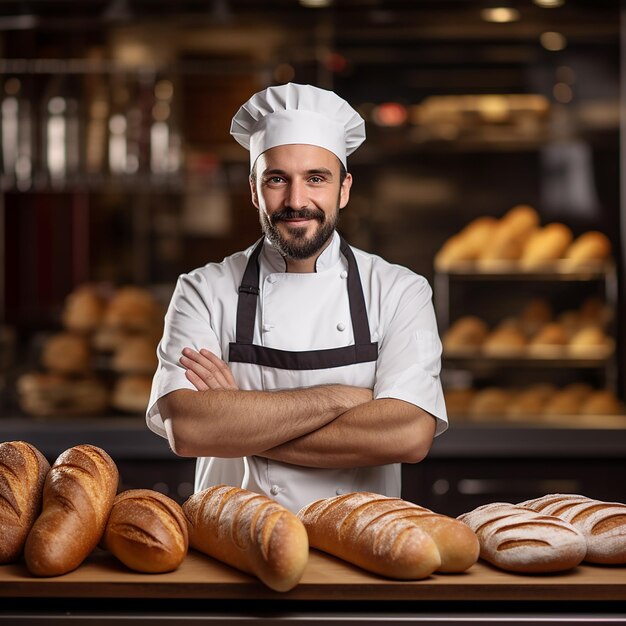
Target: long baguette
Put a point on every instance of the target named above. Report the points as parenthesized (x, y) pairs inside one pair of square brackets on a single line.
[(77, 498), (248, 531), (23, 470), (389, 536), (147, 531), (519, 539), (603, 524)]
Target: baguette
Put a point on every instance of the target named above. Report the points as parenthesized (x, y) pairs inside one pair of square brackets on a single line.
[(147, 531), (389, 536), (519, 539), (248, 531), (23, 470), (77, 498), (603, 524)]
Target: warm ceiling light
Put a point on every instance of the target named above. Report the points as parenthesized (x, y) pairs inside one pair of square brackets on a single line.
[(501, 15), (549, 4), (316, 4), (552, 41)]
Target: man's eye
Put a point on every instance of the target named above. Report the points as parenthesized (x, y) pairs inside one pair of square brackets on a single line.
[(274, 180), (316, 179)]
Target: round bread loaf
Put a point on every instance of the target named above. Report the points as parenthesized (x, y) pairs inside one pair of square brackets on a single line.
[(488, 403), (454, 250), (601, 402), (505, 340), (67, 353), (134, 309), (136, 355), (467, 332), (147, 531), (534, 315), (132, 393), (83, 309)]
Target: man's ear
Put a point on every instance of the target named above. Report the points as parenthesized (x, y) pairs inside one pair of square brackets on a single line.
[(344, 192), (253, 192)]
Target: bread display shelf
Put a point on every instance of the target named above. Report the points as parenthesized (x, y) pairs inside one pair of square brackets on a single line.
[(557, 357), (325, 578), (512, 270)]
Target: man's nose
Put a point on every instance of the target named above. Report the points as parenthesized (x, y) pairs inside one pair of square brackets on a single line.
[(296, 197)]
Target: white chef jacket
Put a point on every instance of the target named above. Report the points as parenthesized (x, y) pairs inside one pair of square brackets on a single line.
[(304, 312)]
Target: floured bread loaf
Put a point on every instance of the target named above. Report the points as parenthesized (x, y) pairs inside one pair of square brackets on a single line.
[(518, 539), (603, 524), (389, 536)]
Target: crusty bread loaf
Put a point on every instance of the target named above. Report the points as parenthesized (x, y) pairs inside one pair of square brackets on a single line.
[(507, 339), (468, 331), (518, 539), (490, 402), (509, 238), (23, 470), (546, 244), (147, 531), (389, 536), (603, 524), (77, 498), (248, 531), (588, 247), (602, 402), (453, 250), (48, 395)]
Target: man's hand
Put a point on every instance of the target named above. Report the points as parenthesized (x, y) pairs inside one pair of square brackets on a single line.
[(205, 370)]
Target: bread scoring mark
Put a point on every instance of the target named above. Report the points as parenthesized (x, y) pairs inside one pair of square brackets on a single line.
[(65, 503), (136, 534), (611, 523), (520, 543), (9, 470), (10, 506)]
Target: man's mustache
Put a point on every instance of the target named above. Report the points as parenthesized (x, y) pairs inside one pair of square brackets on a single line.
[(290, 214)]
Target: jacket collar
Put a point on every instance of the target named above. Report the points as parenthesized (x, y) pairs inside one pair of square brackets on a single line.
[(326, 260)]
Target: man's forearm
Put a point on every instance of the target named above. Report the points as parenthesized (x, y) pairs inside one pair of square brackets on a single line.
[(375, 433), (230, 423)]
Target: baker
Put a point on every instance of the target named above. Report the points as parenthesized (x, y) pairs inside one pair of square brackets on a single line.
[(301, 367)]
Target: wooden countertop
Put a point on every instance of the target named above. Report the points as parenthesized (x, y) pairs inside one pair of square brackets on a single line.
[(326, 578)]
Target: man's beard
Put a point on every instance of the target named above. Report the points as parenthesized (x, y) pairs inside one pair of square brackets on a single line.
[(298, 246)]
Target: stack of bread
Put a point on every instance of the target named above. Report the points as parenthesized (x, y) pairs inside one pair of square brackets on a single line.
[(518, 241), (544, 403), (552, 533), (535, 332), (103, 358)]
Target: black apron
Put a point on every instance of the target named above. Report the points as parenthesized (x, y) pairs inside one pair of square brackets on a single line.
[(244, 351)]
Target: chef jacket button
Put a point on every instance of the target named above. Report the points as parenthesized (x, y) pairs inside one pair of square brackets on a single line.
[(343, 274), (267, 327), (272, 279), (274, 490), (341, 326), (340, 491)]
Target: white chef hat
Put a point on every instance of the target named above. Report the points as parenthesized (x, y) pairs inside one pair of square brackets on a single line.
[(291, 113)]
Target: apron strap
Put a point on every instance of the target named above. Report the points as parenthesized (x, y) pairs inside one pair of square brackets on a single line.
[(358, 312), (248, 295)]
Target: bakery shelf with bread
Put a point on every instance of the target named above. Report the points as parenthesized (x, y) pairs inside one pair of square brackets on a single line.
[(103, 358), (536, 332), (516, 298), (517, 243), (543, 404)]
